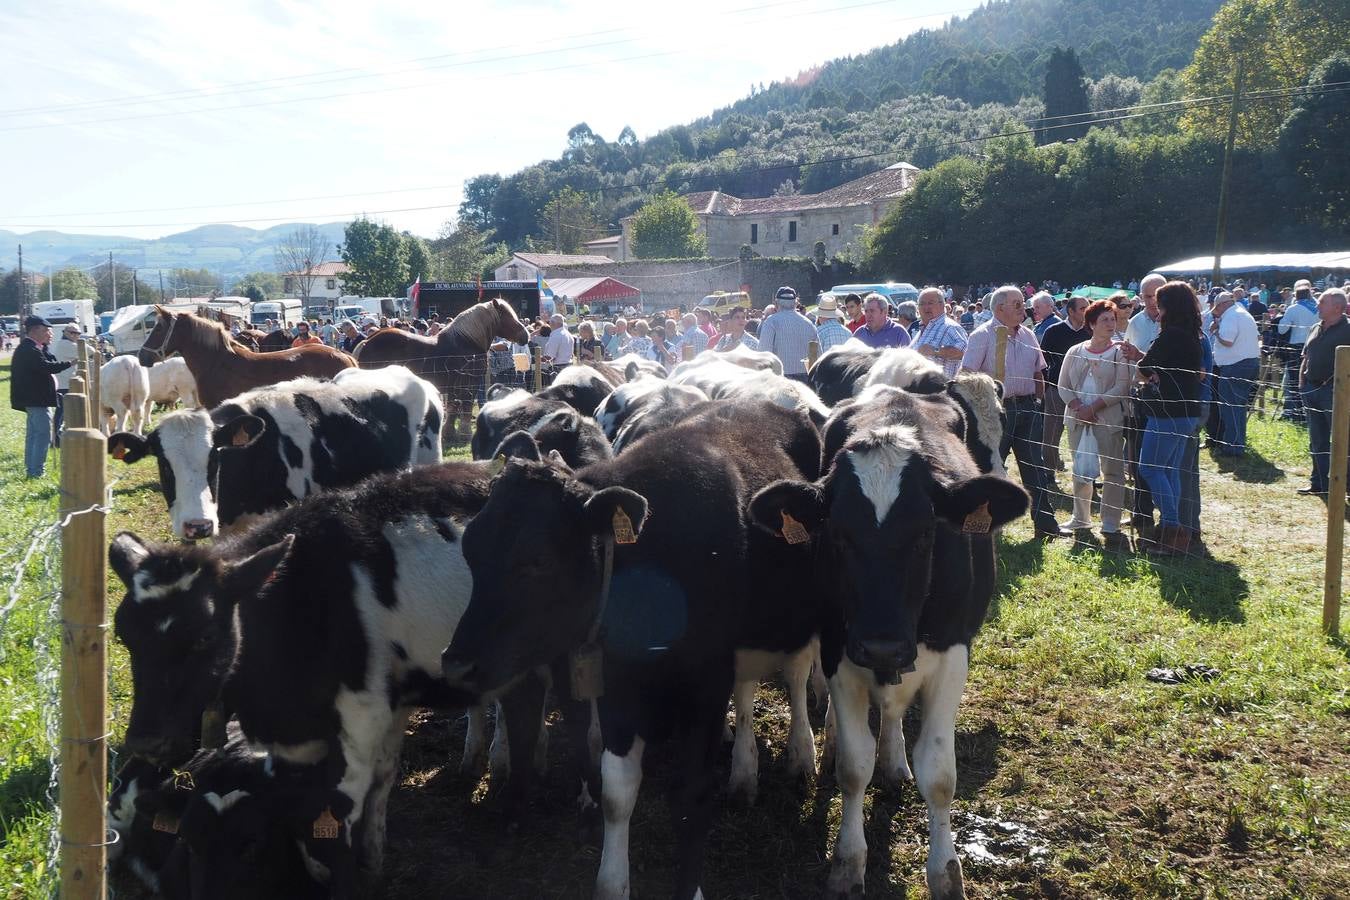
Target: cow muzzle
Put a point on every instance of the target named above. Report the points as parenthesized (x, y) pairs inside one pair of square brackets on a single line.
[(460, 674), (888, 659), (198, 529)]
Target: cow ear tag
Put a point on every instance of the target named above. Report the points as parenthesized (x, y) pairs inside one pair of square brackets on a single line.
[(495, 467), (325, 826), (240, 437), (119, 451), (978, 520), (587, 671), (794, 532), (623, 527), (166, 822), (213, 727)]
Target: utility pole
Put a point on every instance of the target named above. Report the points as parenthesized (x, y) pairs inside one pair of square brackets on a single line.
[(49, 284), (133, 287), (161, 285), (1222, 227), (112, 275), (23, 288)]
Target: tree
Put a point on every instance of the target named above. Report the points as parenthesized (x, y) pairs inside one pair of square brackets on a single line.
[(475, 209), (463, 253), (666, 228), (142, 293), (419, 258), (1165, 88), (377, 258), (259, 286), (1279, 41), (187, 283), (568, 220), (299, 254), (1065, 94), (1313, 142), (74, 284), (1111, 94), (11, 294), (787, 189)]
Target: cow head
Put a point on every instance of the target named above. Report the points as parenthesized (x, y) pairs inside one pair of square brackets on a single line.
[(576, 438), (177, 622), (188, 448), (536, 555), (878, 513)]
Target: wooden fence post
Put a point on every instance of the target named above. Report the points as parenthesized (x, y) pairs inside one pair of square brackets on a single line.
[(84, 679), (687, 352), (82, 373), (812, 354), (538, 367), (76, 407), (487, 374), (1340, 444), (93, 384)]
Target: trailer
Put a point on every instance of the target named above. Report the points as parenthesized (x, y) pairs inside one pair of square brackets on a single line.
[(450, 298), (64, 312)]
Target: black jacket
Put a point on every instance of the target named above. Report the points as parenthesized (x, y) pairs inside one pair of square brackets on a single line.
[(31, 371)]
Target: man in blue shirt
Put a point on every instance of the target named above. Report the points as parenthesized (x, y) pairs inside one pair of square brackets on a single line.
[(879, 331)]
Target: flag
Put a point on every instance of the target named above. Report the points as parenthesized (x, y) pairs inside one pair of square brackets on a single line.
[(413, 293)]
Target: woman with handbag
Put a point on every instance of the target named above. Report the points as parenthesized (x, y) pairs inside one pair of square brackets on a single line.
[(1094, 383), (1173, 368)]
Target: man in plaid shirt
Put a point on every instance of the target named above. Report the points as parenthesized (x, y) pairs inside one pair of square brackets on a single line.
[(828, 325), (787, 333), (937, 336)]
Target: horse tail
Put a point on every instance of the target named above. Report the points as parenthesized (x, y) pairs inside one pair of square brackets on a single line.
[(356, 351)]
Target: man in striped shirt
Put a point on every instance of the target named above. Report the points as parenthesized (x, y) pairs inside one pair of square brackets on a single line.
[(787, 333), (937, 336)]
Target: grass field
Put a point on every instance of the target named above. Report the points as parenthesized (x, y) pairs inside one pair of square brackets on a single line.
[(1078, 777)]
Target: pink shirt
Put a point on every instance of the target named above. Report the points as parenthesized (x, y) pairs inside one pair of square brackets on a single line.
[(1022, 360)]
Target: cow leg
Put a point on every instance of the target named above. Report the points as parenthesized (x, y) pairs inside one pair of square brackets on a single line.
[(520, 708), (595, 737), (377, 798), (693, 807), (819, 685), (801, 739), (620, 778), (935, 766), (745, 752), (366, 721), (475, 742), (499, 754), (857, 752), (894, 766), (828, 745)]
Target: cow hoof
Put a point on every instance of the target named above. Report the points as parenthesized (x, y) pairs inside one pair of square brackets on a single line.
[(897, 776), (945, 882), (474, 765), (610, 892), (743, 790), (801, 762), (846, 880)]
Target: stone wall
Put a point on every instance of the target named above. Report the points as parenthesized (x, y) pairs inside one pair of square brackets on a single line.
[(667, 284)]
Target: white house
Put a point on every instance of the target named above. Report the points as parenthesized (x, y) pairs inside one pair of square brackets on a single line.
[(326, 283), (528, 266)]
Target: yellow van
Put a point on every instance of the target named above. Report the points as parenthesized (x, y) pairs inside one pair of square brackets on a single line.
[(723, 302)]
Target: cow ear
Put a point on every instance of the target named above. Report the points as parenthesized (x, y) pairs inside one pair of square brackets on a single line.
[(631, 372), (600, 511), (248, 575), (556, 459), (126, 554), (519, 445), (998, 498), (804, 503), (241, 431), (128, 447), (497, 391)]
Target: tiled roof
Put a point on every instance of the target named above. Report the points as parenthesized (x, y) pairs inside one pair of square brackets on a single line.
[(544, 260), (326, 270), (886, 184), (604, 242)]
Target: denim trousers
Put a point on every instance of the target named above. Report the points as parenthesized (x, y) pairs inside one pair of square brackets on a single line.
[(1293, 397), (37, 439), (1317, 407), (1189, 505), (1160, 463), (1232, 391)]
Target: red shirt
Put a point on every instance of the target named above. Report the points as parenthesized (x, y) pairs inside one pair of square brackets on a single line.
[(856, 323), (310, 338)]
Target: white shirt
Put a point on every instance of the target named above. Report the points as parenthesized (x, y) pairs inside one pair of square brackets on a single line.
[(559, 346), (65, 351), (1298, 322), (1142, 331), (1237, 326)]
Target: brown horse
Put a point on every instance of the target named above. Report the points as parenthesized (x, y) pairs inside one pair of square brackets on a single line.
[(222, 367), (455, 360)]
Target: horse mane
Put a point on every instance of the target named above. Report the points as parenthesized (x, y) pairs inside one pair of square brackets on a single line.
[(474, 326), (210, 335)]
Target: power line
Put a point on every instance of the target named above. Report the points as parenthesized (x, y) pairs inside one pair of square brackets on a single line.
[(1328, 89)]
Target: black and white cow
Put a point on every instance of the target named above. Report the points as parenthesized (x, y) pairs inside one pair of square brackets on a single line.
[(839, 371), (723, 380), (632, 366), (583, 386), (642, 406), (319, 628), (268, 447), (903, 520), (695, 586), (556, 423)]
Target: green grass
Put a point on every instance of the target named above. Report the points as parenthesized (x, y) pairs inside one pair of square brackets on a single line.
[(1237, 787)]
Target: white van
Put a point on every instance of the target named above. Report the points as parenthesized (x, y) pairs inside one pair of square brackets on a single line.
[(286, 312), (63, 312)]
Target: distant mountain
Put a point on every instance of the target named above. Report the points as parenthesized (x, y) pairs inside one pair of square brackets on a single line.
[(231, 250)]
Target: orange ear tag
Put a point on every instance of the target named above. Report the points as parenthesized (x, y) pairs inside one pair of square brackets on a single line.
[(623, 528), (165, 822), (240, 437), (978, 520), (325, 826), (794, 532), (120, 451)]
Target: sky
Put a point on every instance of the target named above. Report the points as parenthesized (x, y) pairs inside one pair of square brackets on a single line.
[(145, 117)]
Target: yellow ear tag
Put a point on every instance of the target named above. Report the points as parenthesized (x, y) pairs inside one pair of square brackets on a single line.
[(794, 532), (623, 528), (495, 467), (978, 520), (240, 437), (165, 822), (325, 826)]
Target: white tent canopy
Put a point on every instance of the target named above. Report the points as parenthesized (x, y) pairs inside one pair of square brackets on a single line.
[(1237, 263)]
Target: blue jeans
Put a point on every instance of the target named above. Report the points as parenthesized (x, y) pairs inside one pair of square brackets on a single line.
[(1189, 503), (1317, 407), (1293, 400), (1232, 389), (1160, 463), (37, 439)]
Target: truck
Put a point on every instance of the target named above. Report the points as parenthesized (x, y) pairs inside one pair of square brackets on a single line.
[(63, 312), (450, 298), (286, 312)]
